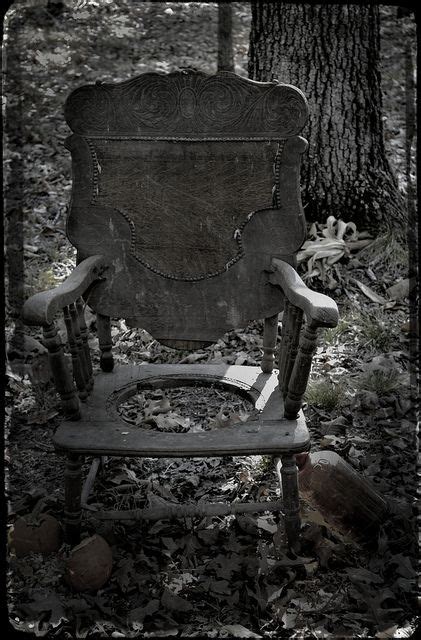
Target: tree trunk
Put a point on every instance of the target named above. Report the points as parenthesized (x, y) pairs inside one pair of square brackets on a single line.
[(225, 50), (331, 52)]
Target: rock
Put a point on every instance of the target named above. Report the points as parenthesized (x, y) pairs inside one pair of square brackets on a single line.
[(28, 356), (400, 289), (42, 534), (336, 427), (89, 565)]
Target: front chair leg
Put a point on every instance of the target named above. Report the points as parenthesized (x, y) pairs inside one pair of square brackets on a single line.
[(72, 498), (289, 480)]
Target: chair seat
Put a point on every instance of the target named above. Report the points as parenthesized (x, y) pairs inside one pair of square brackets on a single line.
[(102, 431)]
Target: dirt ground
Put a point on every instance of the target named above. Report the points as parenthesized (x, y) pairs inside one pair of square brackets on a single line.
[(230, 575)]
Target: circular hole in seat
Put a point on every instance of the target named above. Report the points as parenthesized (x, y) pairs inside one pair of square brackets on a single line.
[(185, 406)]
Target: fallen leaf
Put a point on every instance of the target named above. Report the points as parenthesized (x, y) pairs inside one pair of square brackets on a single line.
[(172, 602), (359, 574), (372, 295), (193, 357), (140, 613), (238, 631), (289, 620)]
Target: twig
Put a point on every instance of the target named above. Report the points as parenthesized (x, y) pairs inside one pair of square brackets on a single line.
[(89, 483)]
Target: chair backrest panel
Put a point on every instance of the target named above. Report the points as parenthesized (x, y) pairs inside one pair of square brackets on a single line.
[(172, 181), (184, 202), (188, 105)]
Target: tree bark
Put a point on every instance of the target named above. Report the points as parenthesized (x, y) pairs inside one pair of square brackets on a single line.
[(225, 49), (331, 52)]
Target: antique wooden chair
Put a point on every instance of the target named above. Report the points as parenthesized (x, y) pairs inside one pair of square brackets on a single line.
[(186, 215)]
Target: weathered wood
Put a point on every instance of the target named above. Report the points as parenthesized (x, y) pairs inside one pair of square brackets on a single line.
[(196, 239), (258, 437), (72, 498), (197, 310), (79, 346), (288, 475), (301, 371), (105, 432), (201, 510), (187, 228), (284, 344), (321, 310), (78, 373), (183, 203), (61, 373), (186, 345), (187, 104), (105, 342), (270, 334), (41, 308), (294, 319), (85, 345)]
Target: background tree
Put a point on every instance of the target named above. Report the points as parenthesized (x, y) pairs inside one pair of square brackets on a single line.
[(225, 48), (332, 53)]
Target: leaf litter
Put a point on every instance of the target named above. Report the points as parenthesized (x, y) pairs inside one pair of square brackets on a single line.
[(228, 576)]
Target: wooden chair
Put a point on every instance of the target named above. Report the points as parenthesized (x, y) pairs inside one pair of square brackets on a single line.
[(186, 216)]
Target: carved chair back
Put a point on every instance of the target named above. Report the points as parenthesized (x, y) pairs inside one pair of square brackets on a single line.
[(188, 184)]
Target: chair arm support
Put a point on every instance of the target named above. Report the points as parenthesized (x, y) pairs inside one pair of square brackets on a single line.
[(321, 311), (41, 308)]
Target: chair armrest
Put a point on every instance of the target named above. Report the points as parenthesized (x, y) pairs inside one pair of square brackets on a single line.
[(321, 311), (41, 308)]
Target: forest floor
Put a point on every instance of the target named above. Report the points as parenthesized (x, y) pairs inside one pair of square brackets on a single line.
[(226, 576)]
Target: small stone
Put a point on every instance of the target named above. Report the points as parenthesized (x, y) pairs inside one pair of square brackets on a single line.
[(42, 534), (400, 289), (90, 564)]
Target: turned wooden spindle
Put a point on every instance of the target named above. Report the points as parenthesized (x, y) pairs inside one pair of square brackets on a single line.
[(291, 327), (74, 314), (283, 345), (301, 371), (295, 318), (61, 373), (105, 342), (84, 335), (72, 498), (270, 334), (75, 348)]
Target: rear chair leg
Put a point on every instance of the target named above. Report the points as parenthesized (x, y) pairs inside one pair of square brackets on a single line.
[(288, 476), (72, 498), (105, 342)]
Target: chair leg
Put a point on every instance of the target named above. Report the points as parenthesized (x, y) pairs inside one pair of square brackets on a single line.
[(72, 498), (289, 480)]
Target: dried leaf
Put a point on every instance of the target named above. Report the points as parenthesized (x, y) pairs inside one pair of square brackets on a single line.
[(262, 523), (193, 357), (47, 602), (155, 407), (238, 631), (140, 613), (359, 574), (372, 295), (172, 602)]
